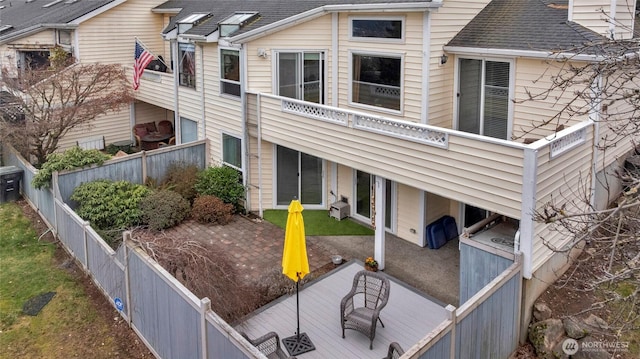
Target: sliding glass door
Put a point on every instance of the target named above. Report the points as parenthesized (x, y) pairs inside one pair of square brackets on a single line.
[(298, 175), (300, 75), (364, 194)]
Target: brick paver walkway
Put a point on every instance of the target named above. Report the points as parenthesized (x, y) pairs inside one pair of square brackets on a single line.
[(255, 245)]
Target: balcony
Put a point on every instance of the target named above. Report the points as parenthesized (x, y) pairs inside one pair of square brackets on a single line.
[(469, 168), (155, 88)]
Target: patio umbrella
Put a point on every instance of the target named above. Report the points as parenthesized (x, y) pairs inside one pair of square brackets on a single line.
[(295, 265)]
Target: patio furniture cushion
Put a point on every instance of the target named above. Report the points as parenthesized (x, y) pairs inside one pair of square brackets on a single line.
[(441, 231), (360, 308), (139, 131), (269, 345), (165, 127)]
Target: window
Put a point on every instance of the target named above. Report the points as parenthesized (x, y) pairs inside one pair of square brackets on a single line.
[(301, 75), (376, 81), (230, 72), (483, 97), (187, 64), (188, 130), (234, 22), (232, 151), (377, 28), (64, 37)]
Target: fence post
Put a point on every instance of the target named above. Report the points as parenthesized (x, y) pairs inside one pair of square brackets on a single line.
[(84, 242), (205, 307), (452, 317), (126, 236), (143, 158)]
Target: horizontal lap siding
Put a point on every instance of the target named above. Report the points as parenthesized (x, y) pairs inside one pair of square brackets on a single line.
[(223, 113), (615, 147), (471, 171), (533, 75), (624, 19), (446, 22), (114, 126), (588, 14), (564, 179), (156, 88), (294, 38), (147, 113), (122, 23), (409, 199)]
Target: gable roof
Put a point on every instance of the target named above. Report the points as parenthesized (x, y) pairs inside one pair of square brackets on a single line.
[(270, 12), (526, 25), (29, 17)]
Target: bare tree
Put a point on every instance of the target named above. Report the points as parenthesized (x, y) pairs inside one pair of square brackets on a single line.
[(58, 98)]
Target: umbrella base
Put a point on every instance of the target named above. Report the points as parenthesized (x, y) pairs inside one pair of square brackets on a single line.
[(298, 344)]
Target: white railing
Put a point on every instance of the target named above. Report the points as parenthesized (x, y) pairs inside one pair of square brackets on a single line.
[(318, 112), (564, 144)]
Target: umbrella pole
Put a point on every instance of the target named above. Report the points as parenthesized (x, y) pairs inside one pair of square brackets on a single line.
[(298, 307), (299, 343)]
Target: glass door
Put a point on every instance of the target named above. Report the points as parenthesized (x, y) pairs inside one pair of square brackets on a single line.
[(364, 195), (300, 75), (298, 175)]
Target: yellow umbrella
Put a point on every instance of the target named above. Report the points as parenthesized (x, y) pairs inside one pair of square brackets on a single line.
[(295, 264)]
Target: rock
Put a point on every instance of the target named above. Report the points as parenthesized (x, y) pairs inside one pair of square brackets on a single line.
[(545, 335), (587, 351), (120, 154), (595, 321), (573, 328), (541, 311)]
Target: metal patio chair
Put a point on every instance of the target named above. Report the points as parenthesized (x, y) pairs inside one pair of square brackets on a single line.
[(360, 308)]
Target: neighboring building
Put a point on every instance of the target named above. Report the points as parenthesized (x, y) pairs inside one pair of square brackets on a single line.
[(407, 110)]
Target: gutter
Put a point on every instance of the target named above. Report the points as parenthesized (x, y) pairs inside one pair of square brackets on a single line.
[(478, 51), (35, 29), (320, 11)]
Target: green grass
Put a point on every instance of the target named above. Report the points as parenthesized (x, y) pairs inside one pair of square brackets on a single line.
[(318, 223), (27, 269)]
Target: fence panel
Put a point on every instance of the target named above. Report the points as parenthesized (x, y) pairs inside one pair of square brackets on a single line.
[(440, 350), (491, 329), (219, 343), (158, 163), (71, 231), (477, 268), (107, 271), (165, 314)]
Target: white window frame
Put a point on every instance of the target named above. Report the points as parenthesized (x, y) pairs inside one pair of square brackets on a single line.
[(400, 56), (222, 153), (401, 40), (233, 82), (276, 75), (512, 80)]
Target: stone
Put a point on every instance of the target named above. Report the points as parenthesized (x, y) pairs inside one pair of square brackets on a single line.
[(120, 154), (574, 328), (588, 352), (595, 321), (545, 336), (541, 311)]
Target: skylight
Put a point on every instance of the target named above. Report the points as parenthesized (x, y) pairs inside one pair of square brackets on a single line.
[(234, 22), (52, 3), (4, 28), (189, 21)]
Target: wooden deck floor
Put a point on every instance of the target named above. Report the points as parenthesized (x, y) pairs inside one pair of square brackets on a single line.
[(408, 317)]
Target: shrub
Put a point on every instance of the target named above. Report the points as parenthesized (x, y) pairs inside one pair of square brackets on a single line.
[(74, 157), (211, 209), (164, 209), (110, 205), (181, 178), (223, 182)]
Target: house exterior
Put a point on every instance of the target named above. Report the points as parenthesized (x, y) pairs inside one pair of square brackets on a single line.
[(406, 110)]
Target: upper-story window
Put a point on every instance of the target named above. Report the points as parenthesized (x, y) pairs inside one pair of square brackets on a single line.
[(187, 64), (387, 28), (376, 80), (300, 75), (230, 72), (64, 37)]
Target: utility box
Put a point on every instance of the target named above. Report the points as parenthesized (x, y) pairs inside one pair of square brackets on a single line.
[(339, 210), (10, 178)]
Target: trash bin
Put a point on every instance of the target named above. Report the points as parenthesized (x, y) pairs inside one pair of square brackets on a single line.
[(10, 178)]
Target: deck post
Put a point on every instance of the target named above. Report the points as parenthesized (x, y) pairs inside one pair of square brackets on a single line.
[(379, 216), (452, 317)]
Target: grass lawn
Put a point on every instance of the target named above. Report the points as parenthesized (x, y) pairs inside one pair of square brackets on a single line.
[(68, 326), (318, 223)]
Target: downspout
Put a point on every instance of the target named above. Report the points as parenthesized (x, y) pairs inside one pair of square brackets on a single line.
[(203, 134), (259, 121), (527, 227), (334, 59), (426, 57), (176, 103), (245, 134), (594, 116)]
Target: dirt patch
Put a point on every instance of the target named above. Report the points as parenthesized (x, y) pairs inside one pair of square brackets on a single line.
[(128, 343)]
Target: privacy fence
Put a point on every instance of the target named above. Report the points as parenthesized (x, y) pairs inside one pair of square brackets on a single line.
[(174, 323)]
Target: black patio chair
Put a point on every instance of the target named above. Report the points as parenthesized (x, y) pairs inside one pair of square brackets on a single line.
[(371, 289), (269, 345)]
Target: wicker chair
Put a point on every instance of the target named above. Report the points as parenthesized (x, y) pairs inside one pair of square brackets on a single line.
[(269, 345), (371, 289), (165, 127), (395, 351), (139, 131)]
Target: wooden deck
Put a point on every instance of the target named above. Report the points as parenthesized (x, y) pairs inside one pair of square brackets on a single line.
[(408, 317)]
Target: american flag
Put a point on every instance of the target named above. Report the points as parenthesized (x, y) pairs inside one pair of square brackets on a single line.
[(142, 59)]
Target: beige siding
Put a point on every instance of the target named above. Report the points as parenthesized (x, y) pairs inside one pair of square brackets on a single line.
[(156, 88), (437, 207), (446, 22), (564, 180), (533, 79), (8, 53), (408, 216), (624, 18), (148, 113), (592, 14), (616, 141), (122, 24), (481, 173), (260, 77), (113, 126)]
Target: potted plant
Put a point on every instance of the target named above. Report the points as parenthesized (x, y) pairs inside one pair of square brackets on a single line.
[(371, 264)]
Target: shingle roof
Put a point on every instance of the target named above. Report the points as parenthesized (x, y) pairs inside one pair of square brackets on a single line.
[(270, 11), (532, 25), (24, 16)]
